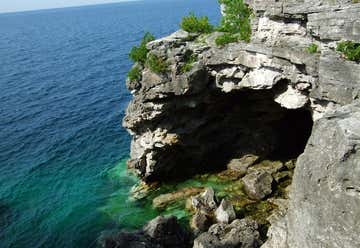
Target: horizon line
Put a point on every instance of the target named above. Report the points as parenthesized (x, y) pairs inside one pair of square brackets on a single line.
[(65, 7)]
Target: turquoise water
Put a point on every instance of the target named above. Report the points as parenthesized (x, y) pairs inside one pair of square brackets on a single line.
[(62, 94)]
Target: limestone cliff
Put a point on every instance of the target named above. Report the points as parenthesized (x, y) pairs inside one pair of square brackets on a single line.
[(262, 98)]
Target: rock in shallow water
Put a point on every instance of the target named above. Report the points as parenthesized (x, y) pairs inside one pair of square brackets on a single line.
[(161, 232), (204, 202), (258, 184), (164, 200), (225, 212)]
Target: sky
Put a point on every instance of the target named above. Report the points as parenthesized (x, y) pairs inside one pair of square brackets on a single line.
[(24, 5)]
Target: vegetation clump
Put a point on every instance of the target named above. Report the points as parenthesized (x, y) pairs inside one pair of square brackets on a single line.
[(225, 38), (139, 53), (194, 24), (134, 74), (313, 48), (190, 59), (156, 64), (350, 49), (236, 19)]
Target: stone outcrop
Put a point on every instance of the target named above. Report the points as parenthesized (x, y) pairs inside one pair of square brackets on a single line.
[(262, 98)]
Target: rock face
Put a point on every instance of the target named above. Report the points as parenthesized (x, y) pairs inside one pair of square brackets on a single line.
[(324, 207), (262, 98)]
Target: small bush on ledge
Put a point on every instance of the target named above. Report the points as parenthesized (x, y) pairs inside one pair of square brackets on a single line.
[(313, 48), (224, 39), (134, 74), (138, 54), (190, 59), (193, 24), (156, 64), (350, 49)]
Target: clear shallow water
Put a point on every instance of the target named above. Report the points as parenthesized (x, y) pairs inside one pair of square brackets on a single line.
[(62, 95)]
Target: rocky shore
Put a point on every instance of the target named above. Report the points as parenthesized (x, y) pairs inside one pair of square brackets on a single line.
[(279, 124)]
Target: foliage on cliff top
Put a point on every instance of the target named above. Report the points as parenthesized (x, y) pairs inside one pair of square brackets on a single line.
[(225, 38), (134, 74), (156, 64), (139, 53), (350, 49), (236, 19), (194, 24)]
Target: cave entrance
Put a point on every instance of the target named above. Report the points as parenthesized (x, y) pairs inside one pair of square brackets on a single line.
[(225, 126), (244, 122)]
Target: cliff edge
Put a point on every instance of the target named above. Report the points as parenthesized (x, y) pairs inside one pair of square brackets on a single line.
[(270, 97)]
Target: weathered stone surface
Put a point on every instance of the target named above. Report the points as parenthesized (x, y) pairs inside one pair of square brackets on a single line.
[(225, 212), (258, 184), (336, 25), (339, 79), (239, 234), (324, 207)]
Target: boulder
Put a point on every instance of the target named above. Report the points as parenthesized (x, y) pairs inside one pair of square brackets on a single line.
[(167, 232), (258, 184), (239, 234), (242, 164), (161, 232), (225, 213), (200, 222), (205, 202)]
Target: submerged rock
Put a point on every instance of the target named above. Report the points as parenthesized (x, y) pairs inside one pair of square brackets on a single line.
[(164, 200), (258, 184), (239, 234)]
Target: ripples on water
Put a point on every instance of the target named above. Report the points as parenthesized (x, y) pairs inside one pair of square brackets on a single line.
[(62, 97)]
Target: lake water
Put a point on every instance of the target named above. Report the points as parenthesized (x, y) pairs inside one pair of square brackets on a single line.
[(63, 96)]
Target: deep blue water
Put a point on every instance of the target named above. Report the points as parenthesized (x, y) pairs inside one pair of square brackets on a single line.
[(62, 95)]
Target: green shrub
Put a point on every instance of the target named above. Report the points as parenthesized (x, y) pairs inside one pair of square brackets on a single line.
[(134, 74), (226, 38), (236, 19), (313, 48), (190, 59), (193, 24), (138, 54), (350, 49), (156, 64)]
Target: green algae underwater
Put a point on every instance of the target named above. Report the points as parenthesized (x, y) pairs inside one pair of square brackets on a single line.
[(159, 200)]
